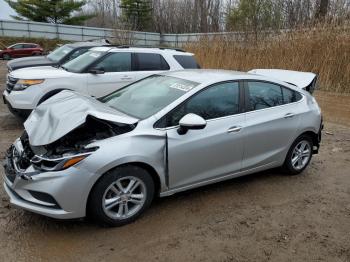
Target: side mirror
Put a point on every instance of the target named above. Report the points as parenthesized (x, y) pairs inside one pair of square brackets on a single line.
[(96, 71), (191, 121)]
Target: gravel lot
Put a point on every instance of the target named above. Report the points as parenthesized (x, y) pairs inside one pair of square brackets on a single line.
[(262, 217)]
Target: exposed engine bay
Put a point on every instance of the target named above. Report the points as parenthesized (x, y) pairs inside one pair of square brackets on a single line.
[(73, 143)]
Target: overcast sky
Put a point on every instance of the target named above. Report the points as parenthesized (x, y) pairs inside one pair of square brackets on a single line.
[(6, 11)]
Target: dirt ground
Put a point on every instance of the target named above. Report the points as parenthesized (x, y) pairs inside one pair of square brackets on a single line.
[(262, 217)]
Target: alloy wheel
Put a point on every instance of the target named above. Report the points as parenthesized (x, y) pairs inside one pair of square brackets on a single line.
[(301, 155), (124, 197)]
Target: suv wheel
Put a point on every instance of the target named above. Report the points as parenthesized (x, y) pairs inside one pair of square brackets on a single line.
[(120, 196), (299, 155), (6, 56)]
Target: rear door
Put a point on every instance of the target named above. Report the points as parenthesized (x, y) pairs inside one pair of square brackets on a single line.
[(272, 120), (28, 49), (216, 150), (147, 64), (118, 73)]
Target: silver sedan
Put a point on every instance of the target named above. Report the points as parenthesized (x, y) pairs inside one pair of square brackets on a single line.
[(161, 135)]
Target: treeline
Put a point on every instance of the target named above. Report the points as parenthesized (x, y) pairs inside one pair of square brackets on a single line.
[(193, 16), (186, 16)]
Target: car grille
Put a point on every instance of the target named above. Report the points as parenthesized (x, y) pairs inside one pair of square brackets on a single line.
[(8, 165), (10, 83)]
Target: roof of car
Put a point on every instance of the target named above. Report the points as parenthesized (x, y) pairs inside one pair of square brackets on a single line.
[(207, 75), (92, 43), (24, 44), (141, 49)]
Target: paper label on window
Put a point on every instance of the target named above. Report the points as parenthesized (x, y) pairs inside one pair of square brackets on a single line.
[(181, 87), (95, 55)]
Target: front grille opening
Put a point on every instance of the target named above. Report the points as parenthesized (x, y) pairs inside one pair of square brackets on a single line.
[(11, 82), (44, 197), (8, 165)]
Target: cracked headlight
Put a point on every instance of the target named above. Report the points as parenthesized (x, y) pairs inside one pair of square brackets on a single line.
[(24, 83), (59, 163)]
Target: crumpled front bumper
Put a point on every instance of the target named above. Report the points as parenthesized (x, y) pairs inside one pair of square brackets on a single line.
[(61, 194)]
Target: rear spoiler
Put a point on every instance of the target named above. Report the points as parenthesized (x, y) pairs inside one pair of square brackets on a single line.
[(303, 80)]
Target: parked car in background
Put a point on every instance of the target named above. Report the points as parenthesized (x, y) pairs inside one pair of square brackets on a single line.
[(97, 73), (161, 135), (21, 50), (57, 57)]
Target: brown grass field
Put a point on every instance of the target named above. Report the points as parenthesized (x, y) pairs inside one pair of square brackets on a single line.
[(323, 51)]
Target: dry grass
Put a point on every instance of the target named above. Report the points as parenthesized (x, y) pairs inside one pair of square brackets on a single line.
[(47, 44), (325, 52)]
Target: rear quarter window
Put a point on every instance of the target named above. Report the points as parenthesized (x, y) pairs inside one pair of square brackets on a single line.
[(186, 61), (290, 96)]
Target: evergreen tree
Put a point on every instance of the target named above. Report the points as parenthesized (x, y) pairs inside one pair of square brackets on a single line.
[(50, 11), (255, 15), (137, 13)]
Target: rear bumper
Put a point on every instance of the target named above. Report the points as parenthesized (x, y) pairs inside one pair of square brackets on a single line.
[(319, 138)]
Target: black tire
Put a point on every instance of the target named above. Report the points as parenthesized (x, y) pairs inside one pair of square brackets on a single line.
[(6, 56), (288, 166), (95, 208)]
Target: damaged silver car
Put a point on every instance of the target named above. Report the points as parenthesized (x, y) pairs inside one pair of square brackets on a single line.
[(166, 133)]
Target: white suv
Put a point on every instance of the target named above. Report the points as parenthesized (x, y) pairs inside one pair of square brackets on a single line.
[(98, 72)]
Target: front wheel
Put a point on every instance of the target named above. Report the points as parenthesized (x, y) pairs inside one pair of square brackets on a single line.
[(120, 196), (6, 56), (299, 155)]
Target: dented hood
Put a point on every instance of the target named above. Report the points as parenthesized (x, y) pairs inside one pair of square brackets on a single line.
[(299, 79), (64, 112)]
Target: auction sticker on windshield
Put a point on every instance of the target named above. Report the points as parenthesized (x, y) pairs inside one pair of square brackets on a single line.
[(95, 55), (182, 87)]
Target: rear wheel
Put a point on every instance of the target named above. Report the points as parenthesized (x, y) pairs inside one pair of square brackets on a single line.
[(299, 155), (120, 196)]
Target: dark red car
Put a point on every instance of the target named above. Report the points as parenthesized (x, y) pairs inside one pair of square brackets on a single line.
[(21, 50)]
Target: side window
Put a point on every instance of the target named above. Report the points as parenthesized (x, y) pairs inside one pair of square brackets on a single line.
[(77, 53), (150, 62), (264, 95), (290, 96), (116, 62), (187, 61), (216, 101), (15, 47)]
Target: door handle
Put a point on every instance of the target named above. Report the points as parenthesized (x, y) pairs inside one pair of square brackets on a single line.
[(289, 115), (234, 129)]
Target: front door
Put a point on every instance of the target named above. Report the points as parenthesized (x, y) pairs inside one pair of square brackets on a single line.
[(18, 50), (117, 74), (214, 151)]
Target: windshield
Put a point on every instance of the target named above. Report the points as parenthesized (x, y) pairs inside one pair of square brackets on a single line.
[(57, 54), (148, 96), (81, 62)]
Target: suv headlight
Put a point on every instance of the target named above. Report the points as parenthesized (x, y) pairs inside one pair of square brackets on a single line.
[(24, 83)]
